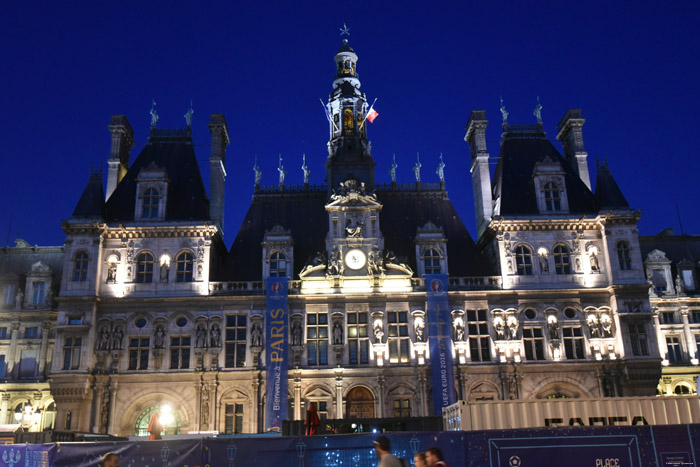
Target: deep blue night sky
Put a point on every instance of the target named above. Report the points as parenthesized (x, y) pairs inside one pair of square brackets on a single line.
[(631, 67)]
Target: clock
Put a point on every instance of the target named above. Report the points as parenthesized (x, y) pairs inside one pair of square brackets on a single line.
[(355, 259)]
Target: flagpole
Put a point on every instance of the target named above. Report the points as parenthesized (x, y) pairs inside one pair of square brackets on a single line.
[(327, 114), (368, 112)]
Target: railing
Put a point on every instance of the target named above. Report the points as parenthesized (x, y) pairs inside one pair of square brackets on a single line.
[(465, 283), (407, 187), (290, 189)]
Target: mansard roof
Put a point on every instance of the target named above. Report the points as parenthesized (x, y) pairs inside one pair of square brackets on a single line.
[(522, 147), (92, 200), (172, 151), (17, 261), (677, 248), (303, 214), (607, 193)]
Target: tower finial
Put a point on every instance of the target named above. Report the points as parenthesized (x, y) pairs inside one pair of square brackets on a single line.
[(345, 31), (504, 112), (441, 169), (154, 114), (392, 171), (416, 168), (305, 169), (280, 169), (538, 111), (188, 116), (258, 172)]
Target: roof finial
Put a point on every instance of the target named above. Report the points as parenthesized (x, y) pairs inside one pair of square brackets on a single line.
[(345, 31), (538, 111), (280, 169), (258, 172), (154, 114), (441, 169), (392, 171), (188, 116), (416, 168), (305, 169), (504, 112)]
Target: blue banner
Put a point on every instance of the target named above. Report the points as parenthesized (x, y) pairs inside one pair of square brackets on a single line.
[(276, 332), (440, 338)]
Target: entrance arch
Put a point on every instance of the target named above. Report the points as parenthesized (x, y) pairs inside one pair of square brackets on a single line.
[(359, 403)]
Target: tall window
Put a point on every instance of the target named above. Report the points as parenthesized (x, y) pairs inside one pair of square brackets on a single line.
[(668, 317), (31, 332), (138, 353), (8, 294), (71, 353), (552, 196), (638, 339), (623, 255), (534, 343), (402, 407), (184, 265), (236, 340), (573, 342), (317, 338), (151, 203), (38, 293), (80, 265), (674, 350), (358, 337), (233, 419), (2, 366), (278, 264), (144, 268), (562, 262), (523, 260), (180, 352), (321, 409), (398, 336), (478, 327), (658, 278), (431, 259), (3, 333), (348, 121)]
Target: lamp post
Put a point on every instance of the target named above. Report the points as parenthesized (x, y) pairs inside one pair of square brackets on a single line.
[(415, 444), (164, 454), (301, 449), (231, 452)]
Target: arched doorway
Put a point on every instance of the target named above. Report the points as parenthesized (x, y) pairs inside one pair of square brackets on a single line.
[(171, 423), (359, 403)]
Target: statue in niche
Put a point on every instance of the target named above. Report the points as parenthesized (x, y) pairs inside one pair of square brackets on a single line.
[(159, 338), (353, 227), (19, 297), (544, 263), (335, 263), (512, 387), (49, 297), (117, 336), (553, 328), (256, 335), (419, 328), (459, 329), (103, 343), (592, 323), (378, 332), (593, 255), (215, 336), (111, 273), (164, 271), (296, 333), (500, 328), (337, 333), (606, 325), (201, 337), (512, 327)]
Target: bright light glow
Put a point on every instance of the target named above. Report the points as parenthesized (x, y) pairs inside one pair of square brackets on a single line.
[(112, 259), (166, 415), (354, 425), (542, 251), (374, 430), (694, 361), (165, 260), (664, 362)]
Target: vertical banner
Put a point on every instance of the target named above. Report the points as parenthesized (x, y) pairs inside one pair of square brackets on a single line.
[(276, 332), (440, 336)]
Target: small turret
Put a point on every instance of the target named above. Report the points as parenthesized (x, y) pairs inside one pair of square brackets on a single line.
[(481, 177), (571, 135), (122, 142)]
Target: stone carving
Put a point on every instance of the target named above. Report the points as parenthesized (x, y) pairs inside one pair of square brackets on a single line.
[(205, 406), (201, 337), (441, 169), (164, 271), (159, 337), (111, 273), (19, 298), (215, 336), (378, 332), (504, 112), (459, 329), (500, 327), (188, 116), (104, 411), (296, 333), (353, 227), (305, 169), (282, 172), (337, 333), (154, 114), (419, 328), (103, 341), (258, 172), (512, 323), (116, 340), (392, 170), (538, 111), (335, 262), (592, 322), (606, 325), (416, 168), (256, 335), (553, 327), (680, 287), (375, 262)]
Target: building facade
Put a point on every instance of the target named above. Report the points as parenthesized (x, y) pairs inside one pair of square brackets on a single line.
[(153, 310)]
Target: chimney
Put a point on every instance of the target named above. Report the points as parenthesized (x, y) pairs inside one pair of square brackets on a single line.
[(217, 172), (481, 177), (571, 136), (122, 142)]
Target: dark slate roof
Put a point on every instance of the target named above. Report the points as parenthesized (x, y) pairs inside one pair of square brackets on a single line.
[(677, 248), (305, 216), (92, 200), (18, 260), (187, 199), (607, 193), (345, 47)]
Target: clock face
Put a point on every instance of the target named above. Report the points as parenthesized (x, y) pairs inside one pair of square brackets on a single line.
[(355, 259)]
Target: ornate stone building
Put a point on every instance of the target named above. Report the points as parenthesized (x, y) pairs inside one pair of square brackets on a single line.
[(551, 300)]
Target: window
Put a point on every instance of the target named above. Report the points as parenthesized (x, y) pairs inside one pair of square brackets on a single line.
[(573, 342), (236, 340), (623, 255), (321, 409), (151, 203), (3, 334), (180, 352), (31, 333), (317, 338), (658, 278), (668, 317), (534, 343), (523, 260), (2, 366), (184, 265), (695, 314), (398, 336), (138, 353), (681, 389), (431, 260), (552, 197), (478, 335), (688, 281), (80, 265), (358, 337), (144, 268), (562, 262), (348, 121), (402, 407), (638, 339), (233, 419), (697, 344), (8, 294), (674, 350), (71, 353), (278, 264), (38, 293)]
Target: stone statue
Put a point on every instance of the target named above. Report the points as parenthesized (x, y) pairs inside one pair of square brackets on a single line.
[(680, 287), (280, 169), (158, 338), (512, 327), (353, 227), (205, 407), (335, 263), (296, 333), (305, 169), (164, 271), (441, 169), (553, 328), (595, 267), (392, 170), (459, 329), (256, 335), (606, 324), (103, 343), (374, 262), (416, 168), (48, 300), (215, 336), (378, 333), (111, 273), (337, 333), (544, 262), (538, 111), (592, 323), (117, 336), (419, 328), (188, 116), (19, 297), (154, 115), (504, 112), (500, 328), (258, 172), (201, 340)]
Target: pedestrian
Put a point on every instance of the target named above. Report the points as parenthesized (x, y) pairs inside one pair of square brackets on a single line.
[(110, 460), (312, 421), (419, 460), (383, 448), (433, 457), (154, 427)]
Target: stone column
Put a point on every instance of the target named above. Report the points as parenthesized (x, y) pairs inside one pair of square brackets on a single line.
[(380, 398), (339, 393), (423, 394), (11, 354), (3, 409), (44, 347), (689, 341), (297, 395), (660, 341), (114, 426)]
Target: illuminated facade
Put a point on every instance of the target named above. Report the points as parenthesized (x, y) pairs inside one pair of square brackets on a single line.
[(153, 310)]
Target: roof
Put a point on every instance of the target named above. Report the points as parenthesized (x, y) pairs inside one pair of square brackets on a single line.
[(92, 200), (607, 192), (18, 260), (676, 247), (522, 147), (304, 215), (345, 47), (172, 151)]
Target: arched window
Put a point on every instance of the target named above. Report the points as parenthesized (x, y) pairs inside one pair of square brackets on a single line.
[(552, 196), (431, 260), (562, 261), (523, 260), (348, 123), (184, 265), (144, 268), (278, 264), (151, 203), (169, 420), (623, 255), (681, 389), (80, 265)]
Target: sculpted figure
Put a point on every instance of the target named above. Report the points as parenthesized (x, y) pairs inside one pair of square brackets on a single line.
[(201, 340), (256, 335), (159, 337), (337, 333), (296, 333), (215, 336)]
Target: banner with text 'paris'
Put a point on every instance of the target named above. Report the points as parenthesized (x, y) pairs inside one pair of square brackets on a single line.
[(276, 350), (439, 333)]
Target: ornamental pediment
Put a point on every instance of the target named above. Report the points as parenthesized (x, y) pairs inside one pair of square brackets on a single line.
[(40, 268), (353, 193), (657, 255)]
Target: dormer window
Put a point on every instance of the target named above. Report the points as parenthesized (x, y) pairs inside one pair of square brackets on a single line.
[(278, 264), (151, 193), (431, 261), (144, 268), (552, 197), (623, 255), (523, 260), (8, 294), (80, 265), (38, 293), (150, 204), (550, 187), (185, 265)]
